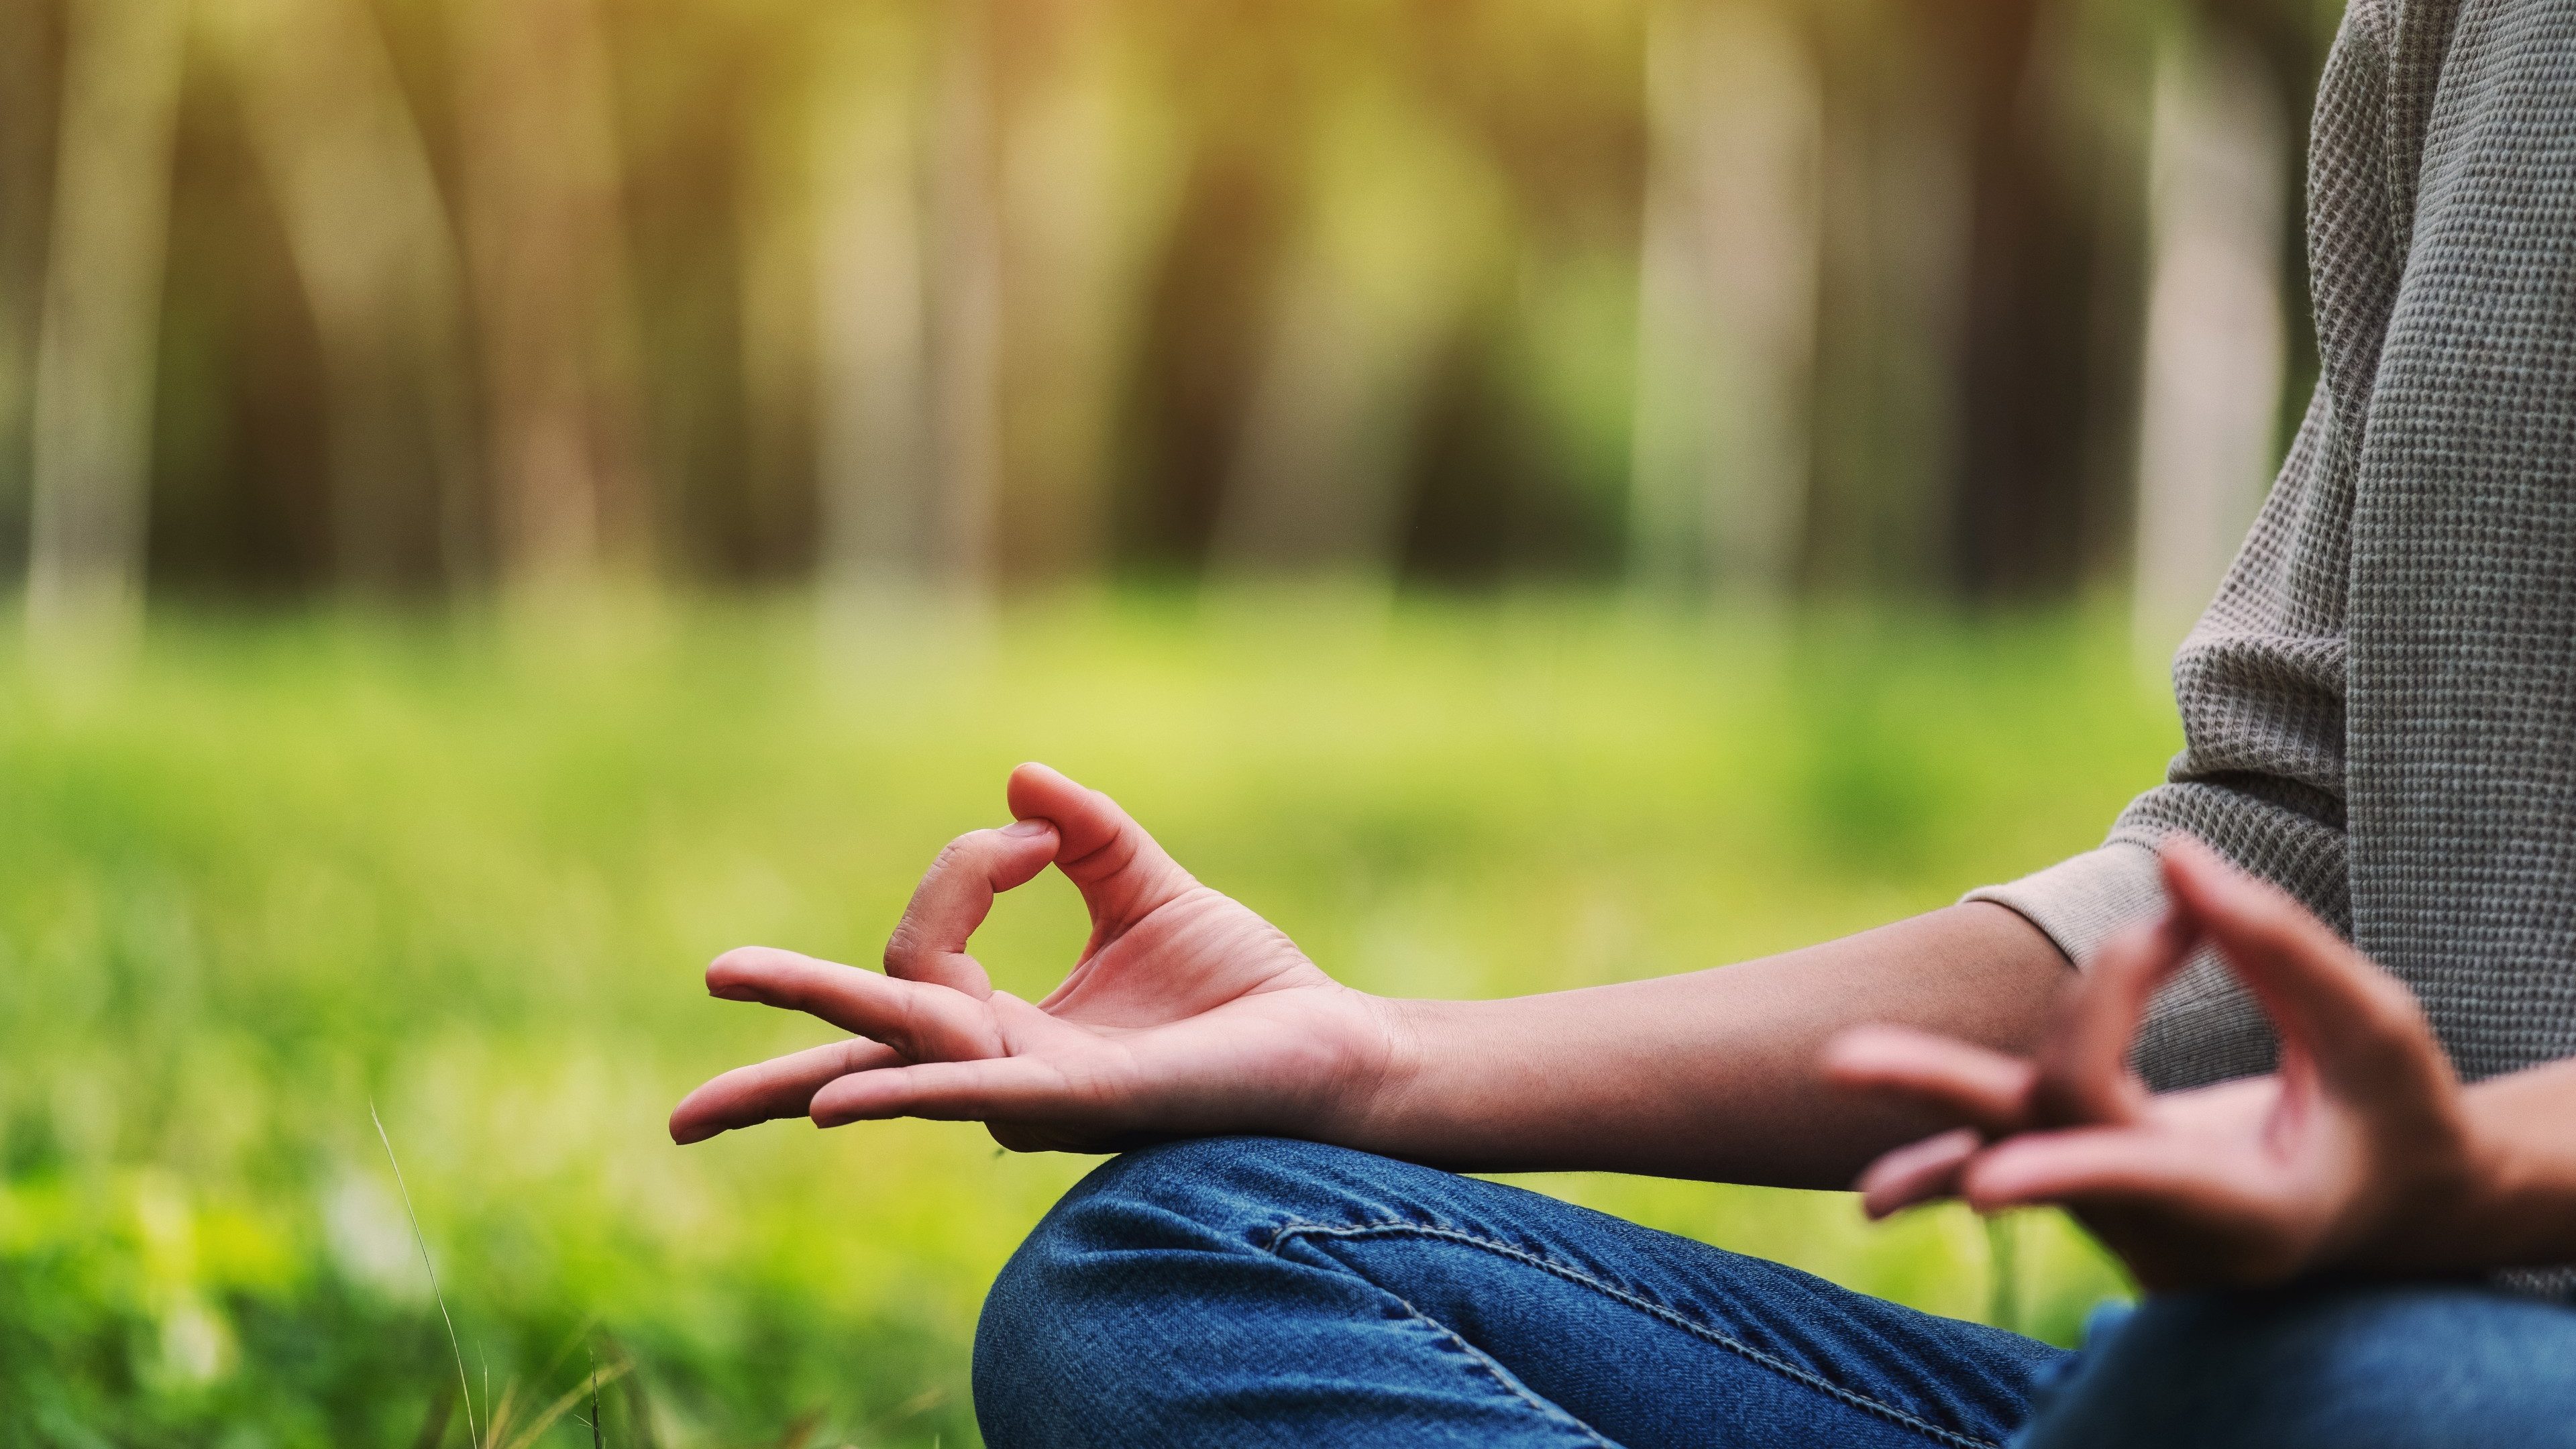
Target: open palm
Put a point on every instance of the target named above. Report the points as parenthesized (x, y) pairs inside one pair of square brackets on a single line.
[(1186, 1012)]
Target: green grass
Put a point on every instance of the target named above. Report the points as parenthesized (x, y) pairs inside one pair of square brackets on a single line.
[(471, 871)]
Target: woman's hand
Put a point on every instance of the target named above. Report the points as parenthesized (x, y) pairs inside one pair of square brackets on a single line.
[(2358, 1153), (1186, 1013)]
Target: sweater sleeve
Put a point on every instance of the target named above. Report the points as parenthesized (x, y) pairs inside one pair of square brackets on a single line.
[(2082, 902), (2260, 779), (2261, 682)]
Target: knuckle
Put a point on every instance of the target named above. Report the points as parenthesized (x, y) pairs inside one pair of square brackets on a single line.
[(2272, 922), (2398, 1044), (2393, 1014), (2381, 1008), (904, 1027), (903, 945), (2062, 1094)]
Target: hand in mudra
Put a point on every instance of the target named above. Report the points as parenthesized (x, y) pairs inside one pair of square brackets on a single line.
[(2358, 1154), (1186, 1013)]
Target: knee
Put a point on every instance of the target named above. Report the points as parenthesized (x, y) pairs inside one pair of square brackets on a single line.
[(1200, 1196), (2135, 1378), (1139, 1224), (2401, 1366), (1103, 1273), (1177, 1193)]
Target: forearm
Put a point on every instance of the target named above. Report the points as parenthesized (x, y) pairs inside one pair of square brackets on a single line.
[(2524, 1128), (1708, 1075)]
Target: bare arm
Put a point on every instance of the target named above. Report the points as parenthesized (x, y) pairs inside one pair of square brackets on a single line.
[(1707, 1075), (1187, 1015)]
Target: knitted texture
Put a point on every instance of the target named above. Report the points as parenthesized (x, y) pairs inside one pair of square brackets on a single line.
[(2379, 707)]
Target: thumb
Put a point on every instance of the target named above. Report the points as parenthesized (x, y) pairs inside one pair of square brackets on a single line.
[(1122, 874)]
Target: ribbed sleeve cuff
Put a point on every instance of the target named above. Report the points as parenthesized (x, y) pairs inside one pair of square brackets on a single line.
[(2201, 1027), (2084, 901)]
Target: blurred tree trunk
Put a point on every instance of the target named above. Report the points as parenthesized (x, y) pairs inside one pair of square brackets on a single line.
[(96, 358), (2214, 345), (30, 54), (1979, 301), (1402, 226), (2026, 502), (1893, 254), (1085, 189), (372, 245), (546, 256), (782, 310), (908, 260), (874, 450), (965, 302), (1727, 299)]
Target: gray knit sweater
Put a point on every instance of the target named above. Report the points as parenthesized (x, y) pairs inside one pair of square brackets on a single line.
[(2379, 708)]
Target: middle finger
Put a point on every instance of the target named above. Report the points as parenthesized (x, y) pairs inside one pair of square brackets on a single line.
[(780, 1087), (922, 1021)]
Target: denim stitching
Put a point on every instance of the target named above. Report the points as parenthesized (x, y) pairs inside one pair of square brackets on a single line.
[(1499, 1374), (1697, 1330)]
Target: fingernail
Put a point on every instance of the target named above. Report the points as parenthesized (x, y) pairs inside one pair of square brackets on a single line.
[(1029, 827)]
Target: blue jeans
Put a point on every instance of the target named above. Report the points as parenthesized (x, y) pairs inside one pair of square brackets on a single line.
[(1247, 1291)]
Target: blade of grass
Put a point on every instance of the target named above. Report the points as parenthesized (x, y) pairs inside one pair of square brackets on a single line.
[(2003, 1271), (920, 1403), (578, 1338), (639, 1403), (556, 1410), (497, 1413), (471, 1436)]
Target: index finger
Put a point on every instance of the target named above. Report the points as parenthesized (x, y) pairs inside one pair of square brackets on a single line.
[(1964, 1083), (2083, 1065), (954, 897), (922, 1021)]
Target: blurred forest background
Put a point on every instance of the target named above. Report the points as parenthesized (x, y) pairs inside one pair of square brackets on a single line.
[(1976, 299), (1524, 492)]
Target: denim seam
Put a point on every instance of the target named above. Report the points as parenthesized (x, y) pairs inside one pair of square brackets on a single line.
[(1482, 1359), (1698, 1330), (1498, 1373)]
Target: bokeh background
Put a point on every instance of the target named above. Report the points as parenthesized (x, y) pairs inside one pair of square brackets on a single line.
[(503, 499)]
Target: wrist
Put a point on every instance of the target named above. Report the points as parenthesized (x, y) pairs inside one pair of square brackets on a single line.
[(1371, 1100), (2516, 1199), (2487, 1201)]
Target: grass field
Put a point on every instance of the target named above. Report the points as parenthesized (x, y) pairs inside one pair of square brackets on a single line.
[(470, 871)]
